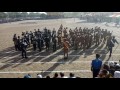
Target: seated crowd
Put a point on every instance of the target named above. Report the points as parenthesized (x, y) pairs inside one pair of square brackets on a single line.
[(56, 75), (110, 70)]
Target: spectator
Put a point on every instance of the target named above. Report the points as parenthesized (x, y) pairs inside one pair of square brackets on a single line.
[(112, 70), (27, 76), (62, 75), (71, 75), (117, 74), (105, 66), (39, 76), (96, 65), (103, 74), (55, 75), (111, 63), (47, 76), (117, 66), (78, 77), (109, 75)]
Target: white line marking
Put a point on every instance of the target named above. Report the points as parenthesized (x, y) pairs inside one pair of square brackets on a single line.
[(19, 72), (62, 62), (8, 52), (72, 50), (60, 55)]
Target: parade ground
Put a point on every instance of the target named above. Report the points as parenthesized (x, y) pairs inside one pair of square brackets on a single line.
[(13, 66)]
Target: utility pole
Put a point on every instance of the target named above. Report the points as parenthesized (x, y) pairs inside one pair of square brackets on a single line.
[(74, 19), (61, 17), (7, 17)]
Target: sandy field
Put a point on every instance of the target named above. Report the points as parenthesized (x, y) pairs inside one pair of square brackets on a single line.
[(47, 63)]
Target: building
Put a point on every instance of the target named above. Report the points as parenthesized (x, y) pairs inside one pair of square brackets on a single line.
[(55, 14)]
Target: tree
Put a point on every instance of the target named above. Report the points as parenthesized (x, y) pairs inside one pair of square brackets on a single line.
[(37, 14), (11, 15), (68, 14), (43, 15), (31, 14), (17, 14), (24, 15), (3, 15), (75, 14)]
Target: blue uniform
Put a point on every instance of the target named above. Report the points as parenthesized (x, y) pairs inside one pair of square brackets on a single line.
[(27, 76), (96, 66)]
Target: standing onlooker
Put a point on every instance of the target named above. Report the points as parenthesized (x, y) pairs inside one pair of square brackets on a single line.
[(96, 65)]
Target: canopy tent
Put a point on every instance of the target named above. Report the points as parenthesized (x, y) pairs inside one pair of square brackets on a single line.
[(115, 16), (111, 16), (118, 16)]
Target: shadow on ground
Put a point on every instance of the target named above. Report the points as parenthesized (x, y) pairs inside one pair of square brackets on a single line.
[(44, 56)]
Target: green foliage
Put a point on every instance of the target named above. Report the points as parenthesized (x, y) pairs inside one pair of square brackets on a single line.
[(2, 15)]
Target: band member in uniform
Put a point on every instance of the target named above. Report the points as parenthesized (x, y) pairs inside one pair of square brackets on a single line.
[(15, 42), (47, 43), (59, 40), (39, 44), (104, 36), (19, 43), (23, 49), (54, 43), (90, 41), (65, 48), (27, 38), (34, 43), (76, 42), (31, 37), (112, 42)]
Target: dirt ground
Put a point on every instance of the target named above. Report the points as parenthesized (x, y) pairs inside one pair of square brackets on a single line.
[(12, 66)]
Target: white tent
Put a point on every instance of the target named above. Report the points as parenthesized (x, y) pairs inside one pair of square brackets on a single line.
[(111, 16), (115, 15), (118, 16)]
